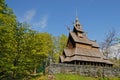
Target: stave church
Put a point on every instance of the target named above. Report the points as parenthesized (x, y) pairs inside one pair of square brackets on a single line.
[(82, 51)]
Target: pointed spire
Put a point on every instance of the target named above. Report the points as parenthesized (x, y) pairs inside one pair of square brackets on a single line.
[(76, 14), (77, 21), (77, 24)]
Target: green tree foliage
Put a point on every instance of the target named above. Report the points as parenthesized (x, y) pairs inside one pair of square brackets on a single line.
[(7, 16), (25, 53), (22, 50), (7, 26), (62, 43), (59, 44), (42, 47)]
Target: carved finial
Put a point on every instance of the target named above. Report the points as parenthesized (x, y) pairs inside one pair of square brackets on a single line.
[(68, 28)]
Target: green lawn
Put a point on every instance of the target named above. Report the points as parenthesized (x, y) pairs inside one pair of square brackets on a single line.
[(69, 77), (78, 77)]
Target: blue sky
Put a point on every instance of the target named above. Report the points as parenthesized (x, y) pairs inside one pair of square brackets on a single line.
[(52, 16)]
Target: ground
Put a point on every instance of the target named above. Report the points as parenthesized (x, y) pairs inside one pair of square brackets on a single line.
[(69, 77)]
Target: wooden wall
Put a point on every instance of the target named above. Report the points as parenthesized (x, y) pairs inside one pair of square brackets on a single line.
[(83, 46)]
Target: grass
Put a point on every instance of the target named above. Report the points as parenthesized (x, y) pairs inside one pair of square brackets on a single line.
[(78, 77), (70, 77)]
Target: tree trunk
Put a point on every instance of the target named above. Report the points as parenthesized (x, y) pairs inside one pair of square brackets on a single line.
[(34, 71)]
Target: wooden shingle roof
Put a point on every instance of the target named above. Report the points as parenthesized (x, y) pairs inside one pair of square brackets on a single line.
[(86, 58), (82, 52), (83, 40), (83, 55)]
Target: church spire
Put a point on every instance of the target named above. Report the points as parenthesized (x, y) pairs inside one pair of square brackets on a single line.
[(77, 25), (76, 20)]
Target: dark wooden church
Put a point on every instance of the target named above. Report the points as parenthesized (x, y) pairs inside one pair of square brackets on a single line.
[(82, 51)]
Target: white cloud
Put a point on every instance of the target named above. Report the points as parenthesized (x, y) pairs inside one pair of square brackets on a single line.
[(28, 16), (42, 23)]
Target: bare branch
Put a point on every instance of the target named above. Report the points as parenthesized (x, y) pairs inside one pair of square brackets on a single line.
[(108, 41)]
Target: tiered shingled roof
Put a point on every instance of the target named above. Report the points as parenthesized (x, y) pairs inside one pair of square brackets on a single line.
[(80, 48)]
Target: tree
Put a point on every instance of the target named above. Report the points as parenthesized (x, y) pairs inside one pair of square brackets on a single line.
[(62, 43), (42, 47), (59, 44), (7, 26), (7, 16), (114, 51), (27, 51), (110, 39), (22, 50)]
